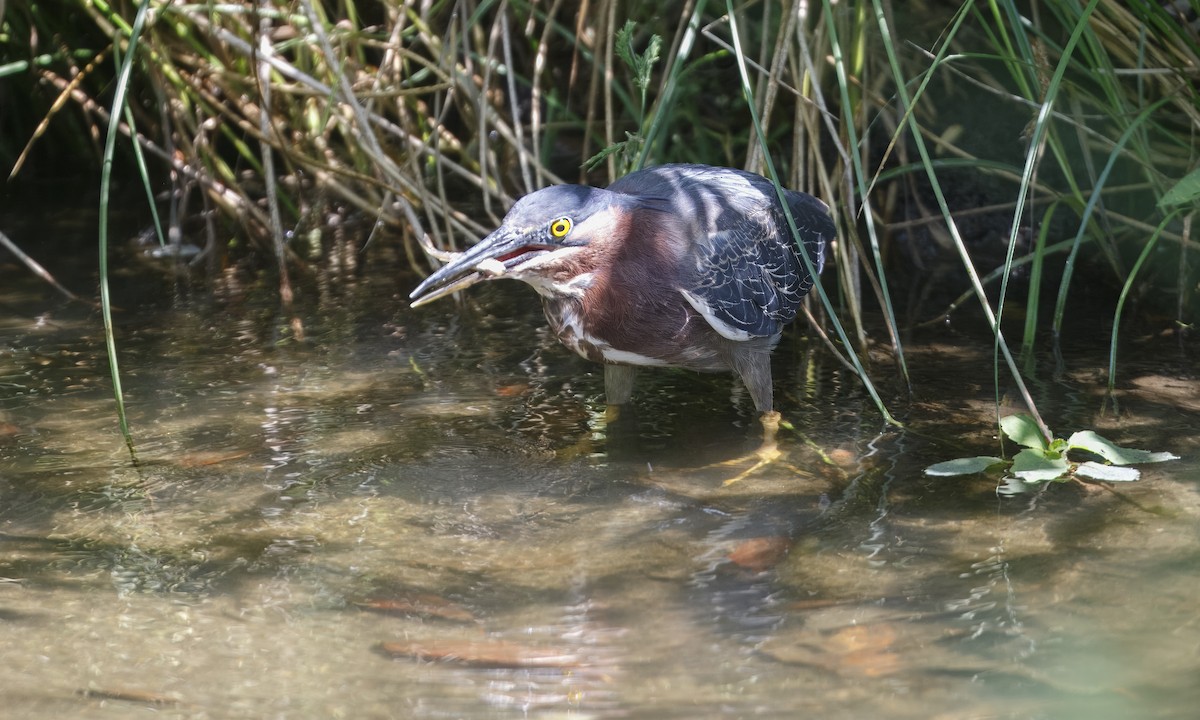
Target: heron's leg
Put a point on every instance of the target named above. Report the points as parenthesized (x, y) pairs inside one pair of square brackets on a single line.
[(753, 366), (618, 389), (620, 421), (618, 383)]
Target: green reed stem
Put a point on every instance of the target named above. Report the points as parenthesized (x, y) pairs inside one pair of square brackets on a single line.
[(1112, 348), (120, 95)]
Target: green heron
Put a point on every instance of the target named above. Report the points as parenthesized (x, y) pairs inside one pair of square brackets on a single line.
[(685, 266)]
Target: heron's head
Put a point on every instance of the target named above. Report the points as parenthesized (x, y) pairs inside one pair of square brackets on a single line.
[(540, 233)]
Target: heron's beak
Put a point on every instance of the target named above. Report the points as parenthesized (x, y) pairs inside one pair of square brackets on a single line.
[(490, 258)]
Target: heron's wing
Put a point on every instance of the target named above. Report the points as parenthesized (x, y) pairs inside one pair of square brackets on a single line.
[(746, 277)]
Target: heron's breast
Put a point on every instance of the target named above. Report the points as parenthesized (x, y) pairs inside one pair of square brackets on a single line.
[(578, 331)]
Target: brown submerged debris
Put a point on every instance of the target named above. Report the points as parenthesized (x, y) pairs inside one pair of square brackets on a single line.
[(203, 458), (857, 641), (761, 553), (482, 653), (843, 458), (424, 605), (132, 696), (514, 390), (855, 650)]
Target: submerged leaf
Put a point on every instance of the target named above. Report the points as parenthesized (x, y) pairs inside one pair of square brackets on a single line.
[(1023, 430), (1034, 466), (1115, 454), (962, 466), (1109, 473)]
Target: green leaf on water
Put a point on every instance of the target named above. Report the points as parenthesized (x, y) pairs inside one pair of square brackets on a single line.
[(1034, 466), (1115, 454), (1046, 461), (1183, 192), (962, 466), (1109, 473), (1023, 430)]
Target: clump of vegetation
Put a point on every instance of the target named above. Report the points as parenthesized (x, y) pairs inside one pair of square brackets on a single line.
[(1055, 460)]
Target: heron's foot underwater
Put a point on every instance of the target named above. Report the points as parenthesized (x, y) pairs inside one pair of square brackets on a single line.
[(768, 453)]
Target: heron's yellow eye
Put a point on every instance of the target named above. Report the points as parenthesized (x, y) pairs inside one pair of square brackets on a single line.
[(560, 227)]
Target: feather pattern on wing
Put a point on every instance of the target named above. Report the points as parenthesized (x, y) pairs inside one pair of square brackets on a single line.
[(745, 278)]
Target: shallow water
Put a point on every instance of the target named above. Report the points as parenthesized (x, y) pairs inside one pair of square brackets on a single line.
[(427, 515)]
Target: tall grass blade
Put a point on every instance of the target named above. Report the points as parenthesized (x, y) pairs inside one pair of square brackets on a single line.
[(1112, 349), (1060, 307), (286, 294), (144, 175), (1037, 266), (120, 95), (1041, 132)]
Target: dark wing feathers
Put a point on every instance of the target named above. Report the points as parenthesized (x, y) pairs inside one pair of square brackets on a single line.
[(748, 278)]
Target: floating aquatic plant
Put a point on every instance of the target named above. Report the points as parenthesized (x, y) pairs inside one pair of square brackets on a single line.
[(1055, 460)]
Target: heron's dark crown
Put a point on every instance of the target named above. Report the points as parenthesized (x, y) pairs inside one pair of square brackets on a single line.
[(577, 202)]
